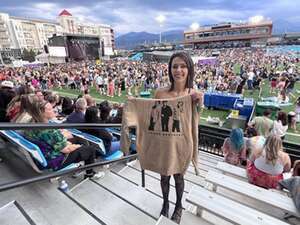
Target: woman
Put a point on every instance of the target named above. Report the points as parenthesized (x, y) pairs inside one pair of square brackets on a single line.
[(234, 148), (24, 115), (92, 115), (181, 74), (65, 151), (267, 165), (280, 126)]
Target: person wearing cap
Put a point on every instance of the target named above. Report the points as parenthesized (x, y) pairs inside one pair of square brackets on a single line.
[(7, 93)]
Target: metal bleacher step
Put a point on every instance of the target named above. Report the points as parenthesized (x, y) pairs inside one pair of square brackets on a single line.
[(107, 207), (190, 219), (134, 194), (13, 214), (190, 176), (151, 184), (187, 218), (44, 203)]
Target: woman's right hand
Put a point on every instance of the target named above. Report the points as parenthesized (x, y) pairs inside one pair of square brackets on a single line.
[(70, 148)]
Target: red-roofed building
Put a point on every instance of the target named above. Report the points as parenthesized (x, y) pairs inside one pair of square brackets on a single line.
[(65, 13)]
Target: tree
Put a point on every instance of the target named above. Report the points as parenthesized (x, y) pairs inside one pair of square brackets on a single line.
[(28, 55)]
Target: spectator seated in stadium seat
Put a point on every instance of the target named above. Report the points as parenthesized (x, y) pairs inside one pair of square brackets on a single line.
[(92, 115), (42, 112), (234, 148), (78, 115), (266, 166)]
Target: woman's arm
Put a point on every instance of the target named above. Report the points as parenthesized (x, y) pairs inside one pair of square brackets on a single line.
[(286, 162)]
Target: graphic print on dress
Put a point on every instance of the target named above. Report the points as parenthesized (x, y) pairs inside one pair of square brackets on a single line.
[(154, 115), (176, 117), (166, 113)]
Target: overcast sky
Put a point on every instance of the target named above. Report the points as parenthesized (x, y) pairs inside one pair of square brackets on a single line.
[(139, 15)]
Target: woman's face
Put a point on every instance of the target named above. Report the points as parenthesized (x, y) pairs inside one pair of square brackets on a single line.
[(179, 70), (49, 112)]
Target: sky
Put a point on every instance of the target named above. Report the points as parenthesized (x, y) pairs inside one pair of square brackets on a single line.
[(140, 15)]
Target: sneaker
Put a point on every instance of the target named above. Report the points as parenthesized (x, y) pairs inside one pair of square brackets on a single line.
[(98, 175), (94, 175), (77, 174)]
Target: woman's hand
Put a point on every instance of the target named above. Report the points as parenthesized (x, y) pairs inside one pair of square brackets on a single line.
[(197, 97), (70, 148), (67, 134)]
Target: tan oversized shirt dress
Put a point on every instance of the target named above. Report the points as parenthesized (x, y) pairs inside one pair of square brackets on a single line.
[(166, 132)]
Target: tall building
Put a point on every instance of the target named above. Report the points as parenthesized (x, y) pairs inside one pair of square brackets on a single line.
[(229, 35), (23, 33)]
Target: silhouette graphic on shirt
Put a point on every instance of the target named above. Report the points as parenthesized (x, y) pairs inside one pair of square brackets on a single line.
[(166, 113), (176, 115), (154, 115)]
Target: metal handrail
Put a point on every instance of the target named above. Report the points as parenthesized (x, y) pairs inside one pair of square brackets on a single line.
[(15, 184), (26, 126)]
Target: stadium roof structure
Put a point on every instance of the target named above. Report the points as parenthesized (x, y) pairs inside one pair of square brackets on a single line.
[(65, 13)]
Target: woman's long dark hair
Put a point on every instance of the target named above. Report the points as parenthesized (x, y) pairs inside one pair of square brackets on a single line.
[(190, 66), (92, 115)]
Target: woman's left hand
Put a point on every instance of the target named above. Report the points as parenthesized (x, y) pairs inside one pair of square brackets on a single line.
[(197, 97)]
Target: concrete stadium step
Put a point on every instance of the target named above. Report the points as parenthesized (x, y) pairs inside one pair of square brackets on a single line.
[(12, 213), (106, 206), (151, 184), (134, 194), (190, 175)]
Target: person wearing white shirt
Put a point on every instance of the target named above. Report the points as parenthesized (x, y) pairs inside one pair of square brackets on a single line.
[(250, 80)]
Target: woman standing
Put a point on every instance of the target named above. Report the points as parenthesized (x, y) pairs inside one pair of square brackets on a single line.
[(181, 75)]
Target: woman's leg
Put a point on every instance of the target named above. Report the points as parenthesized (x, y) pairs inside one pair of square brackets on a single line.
[(165, 188), (179, 185), (83, 153)]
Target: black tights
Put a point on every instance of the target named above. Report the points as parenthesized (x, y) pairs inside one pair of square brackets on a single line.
[(179, 186)]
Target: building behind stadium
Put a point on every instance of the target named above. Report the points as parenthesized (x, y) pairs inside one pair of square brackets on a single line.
[(17, 33), (229, 35)]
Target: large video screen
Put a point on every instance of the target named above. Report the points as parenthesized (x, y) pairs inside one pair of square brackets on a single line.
[(83, 48)]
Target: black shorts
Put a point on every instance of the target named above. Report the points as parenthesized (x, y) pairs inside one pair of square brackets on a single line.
[(100, 85)]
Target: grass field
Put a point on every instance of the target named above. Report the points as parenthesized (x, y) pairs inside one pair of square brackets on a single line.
[(206, 112)]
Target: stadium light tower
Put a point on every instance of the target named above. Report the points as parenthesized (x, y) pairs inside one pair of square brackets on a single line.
[(194, 26), (160, 19)]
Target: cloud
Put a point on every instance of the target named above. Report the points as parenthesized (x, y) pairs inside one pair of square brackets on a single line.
[(136, 15)]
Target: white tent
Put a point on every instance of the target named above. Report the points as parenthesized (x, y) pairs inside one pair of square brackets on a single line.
[(46, 58)]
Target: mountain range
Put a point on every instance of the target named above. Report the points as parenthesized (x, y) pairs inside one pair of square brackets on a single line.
[(133, 39)]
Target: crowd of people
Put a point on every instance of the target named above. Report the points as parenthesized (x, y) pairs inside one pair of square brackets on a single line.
[(26, 96)]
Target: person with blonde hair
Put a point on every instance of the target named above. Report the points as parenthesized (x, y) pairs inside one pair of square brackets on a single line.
[(63, 152), (267, 165)]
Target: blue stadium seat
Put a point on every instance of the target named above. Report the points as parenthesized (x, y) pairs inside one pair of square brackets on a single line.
[(33, 149)]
